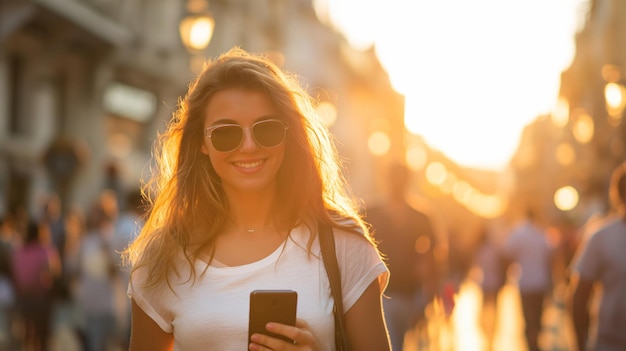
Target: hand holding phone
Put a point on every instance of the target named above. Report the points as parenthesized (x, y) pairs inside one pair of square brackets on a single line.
[(278, 306)]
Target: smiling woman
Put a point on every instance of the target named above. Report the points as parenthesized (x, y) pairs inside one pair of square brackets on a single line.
[(246, 175), (474, 73)]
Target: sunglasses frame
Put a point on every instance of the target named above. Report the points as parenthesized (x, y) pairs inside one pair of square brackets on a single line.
[(209, 131)]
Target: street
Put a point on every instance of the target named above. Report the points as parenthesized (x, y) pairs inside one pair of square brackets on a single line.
[(462, 330)]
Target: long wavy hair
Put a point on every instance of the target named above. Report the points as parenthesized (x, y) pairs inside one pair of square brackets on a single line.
[(187, 206)]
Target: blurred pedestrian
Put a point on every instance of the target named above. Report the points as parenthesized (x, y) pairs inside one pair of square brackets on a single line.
[(97, 277), (407, 240), (127, 228), (76, 227), (490, 261), (35, 267), (247, 174), (601, 259), (8, 243), (53, 215), (529, 247)]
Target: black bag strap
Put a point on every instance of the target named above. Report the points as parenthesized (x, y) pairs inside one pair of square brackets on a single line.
[(329, 256)]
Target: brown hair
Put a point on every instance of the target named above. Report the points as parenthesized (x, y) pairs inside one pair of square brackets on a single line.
[(182, 203)]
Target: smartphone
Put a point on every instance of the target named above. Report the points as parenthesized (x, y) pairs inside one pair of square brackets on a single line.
[(266, 306)]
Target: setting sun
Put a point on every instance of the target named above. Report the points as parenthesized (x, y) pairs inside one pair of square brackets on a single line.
[(474, 74)]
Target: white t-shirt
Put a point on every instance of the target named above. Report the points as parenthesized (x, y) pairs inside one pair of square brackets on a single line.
[(213, 313)]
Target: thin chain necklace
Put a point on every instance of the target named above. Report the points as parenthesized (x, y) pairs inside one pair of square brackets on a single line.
[(263, 229)]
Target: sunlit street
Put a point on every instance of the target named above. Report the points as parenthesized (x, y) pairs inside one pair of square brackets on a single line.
[(479, 147), (463, 332)]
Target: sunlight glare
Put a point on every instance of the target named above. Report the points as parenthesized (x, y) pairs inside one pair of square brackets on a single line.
[(436, 173), (379, 143), (614, 94), (469, 93), (566, 198), (560, 113), (583, 128), (416, 157), (327, 112), (565, 154)]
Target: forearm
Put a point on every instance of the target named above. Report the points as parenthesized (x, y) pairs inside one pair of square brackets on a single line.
[(365, 324), (580, 316), (579, 307)]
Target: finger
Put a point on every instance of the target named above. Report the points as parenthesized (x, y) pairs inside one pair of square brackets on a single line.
[(301, 334), (262, 342), (301, 323)]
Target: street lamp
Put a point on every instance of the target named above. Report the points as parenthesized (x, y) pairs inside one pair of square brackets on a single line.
[(196, 28)]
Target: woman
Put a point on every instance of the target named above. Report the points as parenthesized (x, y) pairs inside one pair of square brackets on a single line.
[(246, 172), (35, 265)]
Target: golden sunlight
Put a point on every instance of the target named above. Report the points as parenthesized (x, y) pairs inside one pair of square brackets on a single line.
[(566, 198), (379, 143), (474, 74)]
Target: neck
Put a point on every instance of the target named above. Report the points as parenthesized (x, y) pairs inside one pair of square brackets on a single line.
[(259, 220), (254, 212)]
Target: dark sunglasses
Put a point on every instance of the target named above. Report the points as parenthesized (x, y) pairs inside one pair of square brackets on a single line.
[(228, 137)]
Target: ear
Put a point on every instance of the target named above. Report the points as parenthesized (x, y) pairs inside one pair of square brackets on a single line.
[(204, 149)]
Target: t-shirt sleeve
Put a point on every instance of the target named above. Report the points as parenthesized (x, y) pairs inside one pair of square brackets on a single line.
[(152, 302), (360, 264), (587, 261)]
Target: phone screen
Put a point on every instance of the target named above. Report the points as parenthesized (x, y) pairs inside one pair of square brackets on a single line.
[(266, 306)]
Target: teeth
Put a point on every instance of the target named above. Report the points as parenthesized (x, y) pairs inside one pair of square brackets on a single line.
[(248, 164)]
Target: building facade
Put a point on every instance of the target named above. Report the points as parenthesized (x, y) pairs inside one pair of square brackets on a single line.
[(86, 84), (581, 142)]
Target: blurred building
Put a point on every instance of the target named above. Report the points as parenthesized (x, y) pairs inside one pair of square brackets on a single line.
[(83, 85), (573, 151), (86, 84)]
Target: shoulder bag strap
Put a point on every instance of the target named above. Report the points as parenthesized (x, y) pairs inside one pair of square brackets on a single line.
[(327, 245)]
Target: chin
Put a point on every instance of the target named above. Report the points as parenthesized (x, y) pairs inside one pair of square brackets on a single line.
[(252, 186)]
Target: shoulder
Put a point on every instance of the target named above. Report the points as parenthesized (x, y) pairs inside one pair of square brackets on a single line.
[(347, 235), (612, 230), (353, 244)]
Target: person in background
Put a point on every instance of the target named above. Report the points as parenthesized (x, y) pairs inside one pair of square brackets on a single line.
[(76, 227), (407, 240), (600, 258), (127, 228), (247, 172), (8, 243), (97, 275), (35, 267), (53, 216), (528, 246), (489, 259)]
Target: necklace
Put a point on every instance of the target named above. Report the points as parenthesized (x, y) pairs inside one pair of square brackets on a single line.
[(262, 229)]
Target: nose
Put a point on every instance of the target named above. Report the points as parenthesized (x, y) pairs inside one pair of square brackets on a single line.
[(248, 143)]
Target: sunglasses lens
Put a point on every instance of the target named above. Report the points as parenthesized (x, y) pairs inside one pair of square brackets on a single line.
[(226, 138), (269, 133)]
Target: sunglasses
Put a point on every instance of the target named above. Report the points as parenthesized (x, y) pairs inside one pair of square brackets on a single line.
[(228, 137)]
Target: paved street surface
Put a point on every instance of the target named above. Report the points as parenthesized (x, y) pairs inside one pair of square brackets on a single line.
[(462, 330)]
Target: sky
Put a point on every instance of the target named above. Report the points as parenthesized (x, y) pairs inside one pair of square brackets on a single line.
[(473, 73)]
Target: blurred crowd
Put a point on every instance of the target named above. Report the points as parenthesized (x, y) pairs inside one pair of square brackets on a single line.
[(574, 268), (65, 265), (580, 270)]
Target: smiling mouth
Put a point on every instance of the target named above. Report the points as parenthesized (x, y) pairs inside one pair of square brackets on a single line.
[(249, 164)]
